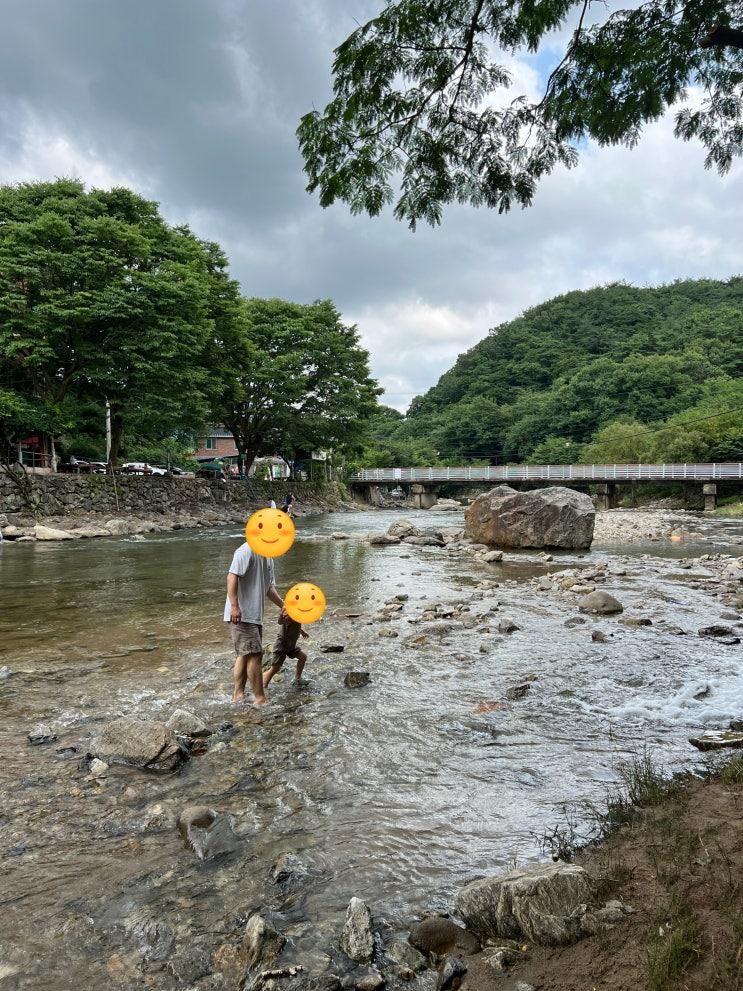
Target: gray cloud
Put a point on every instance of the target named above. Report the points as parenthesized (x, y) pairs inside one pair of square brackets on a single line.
[(195, 103)]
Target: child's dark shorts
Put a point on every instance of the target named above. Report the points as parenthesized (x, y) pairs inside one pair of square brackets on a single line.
[(281, 650)]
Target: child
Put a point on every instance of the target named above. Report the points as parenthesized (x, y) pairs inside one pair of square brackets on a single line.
[(286, 646)]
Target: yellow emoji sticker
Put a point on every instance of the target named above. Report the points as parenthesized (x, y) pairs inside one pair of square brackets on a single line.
[(304, 602), (269, 532)]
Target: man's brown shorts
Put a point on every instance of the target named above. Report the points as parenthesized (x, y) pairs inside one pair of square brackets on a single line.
[(246, 638)]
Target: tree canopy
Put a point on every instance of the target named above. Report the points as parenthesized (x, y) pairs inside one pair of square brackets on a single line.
[(422, 114), (575, 377)]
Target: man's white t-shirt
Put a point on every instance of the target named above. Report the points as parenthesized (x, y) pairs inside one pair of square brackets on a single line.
[(255, 575)]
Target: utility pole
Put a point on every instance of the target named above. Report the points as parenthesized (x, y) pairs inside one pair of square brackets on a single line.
[(108, 433)]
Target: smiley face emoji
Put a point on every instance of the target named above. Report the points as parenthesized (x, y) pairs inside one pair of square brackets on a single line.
[(269, 532), (304, 602)]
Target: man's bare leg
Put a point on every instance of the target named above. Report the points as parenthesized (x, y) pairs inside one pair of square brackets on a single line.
[(269, 674), (240, 673), (301, 661), (255, 676)]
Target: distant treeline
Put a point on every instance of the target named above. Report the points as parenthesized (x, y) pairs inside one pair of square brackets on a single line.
[(612, 374)]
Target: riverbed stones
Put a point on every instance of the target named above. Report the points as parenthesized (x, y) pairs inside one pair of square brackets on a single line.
[(407, 956), (600, 603), (718, 740), (50, 533), (451, 974), (207, 832), (403, 528), (185, 723), (261, 943), (437, 936), (371, 982), (143, 743), (41, 734), (383, 540), (288, 870), (333, 648), (551, 517), (543, 904), (357, 937), (716, 631), (356, 679)]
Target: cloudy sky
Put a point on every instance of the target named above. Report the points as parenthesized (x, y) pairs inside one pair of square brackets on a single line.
[(195, 103)]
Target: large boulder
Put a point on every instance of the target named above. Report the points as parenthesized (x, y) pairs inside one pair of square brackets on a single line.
[(51, 533), (141, 742), (438, 936), (552, 517), (544, 904), (403, 528), (357, 937), (601, 604)]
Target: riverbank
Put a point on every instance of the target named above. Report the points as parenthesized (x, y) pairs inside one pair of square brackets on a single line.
[(672, 853)]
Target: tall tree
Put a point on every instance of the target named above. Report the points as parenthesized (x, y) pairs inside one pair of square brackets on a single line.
[(421, 110), (98, 294), (293, 377)]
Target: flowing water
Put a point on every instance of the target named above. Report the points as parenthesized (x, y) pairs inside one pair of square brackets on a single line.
[(397, 792)]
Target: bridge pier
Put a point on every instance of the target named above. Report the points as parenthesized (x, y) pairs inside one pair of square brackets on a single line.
[(375, 495), (605, 496), (709, 489), (423, 496)]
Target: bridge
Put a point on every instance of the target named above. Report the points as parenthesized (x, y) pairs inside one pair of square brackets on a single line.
[(423, 481)]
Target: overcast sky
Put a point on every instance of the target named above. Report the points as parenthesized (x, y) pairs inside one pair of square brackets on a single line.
[(194, 103)]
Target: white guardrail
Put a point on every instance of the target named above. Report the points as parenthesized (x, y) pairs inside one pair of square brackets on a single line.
[(557, 473)]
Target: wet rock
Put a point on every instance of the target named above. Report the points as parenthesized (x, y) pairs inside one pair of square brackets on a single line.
[(90, 532), (492, 557), (728, 614), (718, 740), (518, 692), (551, 517), (371, 982), (601, 604), (119, 527), (41, 734), (356, 679), (141, 742), (544, 904), (402, 597), (425, 540), (736, 725), (716, 631), (574, 621), (403, 528), (288, 870), (5, 672), (185, 723), (261, 943), (390, 634), (357, 938), (636, 621), (339, 535), (207, 832), (333, 648), (383, 540), (598, 637), (49, 533), (98, 768), (405, 955), (451, 974), (507, 626), (437, 936)]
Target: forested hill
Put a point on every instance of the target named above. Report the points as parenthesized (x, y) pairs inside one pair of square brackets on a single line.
[(594, 367)]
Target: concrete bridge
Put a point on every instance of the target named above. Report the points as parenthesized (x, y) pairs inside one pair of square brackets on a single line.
[(423, 482)]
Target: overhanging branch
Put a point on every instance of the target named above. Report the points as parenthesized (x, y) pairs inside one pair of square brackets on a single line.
[(723, 37)]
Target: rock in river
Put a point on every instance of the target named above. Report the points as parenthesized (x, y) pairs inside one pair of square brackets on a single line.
[(544, 904), (40, 734), (356, 679), (185, 723), (601, 604), (451, 974), (403, 528), (49, 533), (207, 832), (551, 517), (261, 943), (357, 938), (438, 936), (141, 742)]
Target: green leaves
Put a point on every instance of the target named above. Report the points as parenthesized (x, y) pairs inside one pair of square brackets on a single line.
[(421, 116)]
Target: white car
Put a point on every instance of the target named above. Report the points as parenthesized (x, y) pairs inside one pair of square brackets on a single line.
[(142, 468)]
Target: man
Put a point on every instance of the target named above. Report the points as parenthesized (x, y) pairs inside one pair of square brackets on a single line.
[(249, 582)]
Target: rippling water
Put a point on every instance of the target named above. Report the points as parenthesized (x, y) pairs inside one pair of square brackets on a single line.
[(397, 793)]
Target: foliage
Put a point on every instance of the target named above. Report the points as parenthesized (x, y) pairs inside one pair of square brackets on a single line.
[(292, 378), (422, 109), (616, 373)]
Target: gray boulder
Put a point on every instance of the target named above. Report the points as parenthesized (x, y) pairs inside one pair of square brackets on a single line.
[(544, 904), (357, 938), (600, 604), (382, 540), (437, 936), (451, 974), (425, 540), (207, 832), (50, 533), (261, 943), (185, 723), (552, 517), (403, 528), (141, 742), (357, 679)]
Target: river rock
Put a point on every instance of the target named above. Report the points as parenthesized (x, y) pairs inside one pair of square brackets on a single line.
[(98, 768), (717, 740), (451, 974), (185, 723), (90, 532), (41, 734), (543, 904), (50, 533), (357, 937), (716, 631), (425, 540), (403, 528), (261, 943), (207, 832), (551, 517), (119, 527), (507, 626), (518, 692), (141, 742), (288, 870), (371, 982), (356, 679), (406, 955), (598, 637), (383, 540), (601, 604), (437, 936), (333, 648), (339, 535)]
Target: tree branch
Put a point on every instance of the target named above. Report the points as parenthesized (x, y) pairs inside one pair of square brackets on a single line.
[(723, 37)]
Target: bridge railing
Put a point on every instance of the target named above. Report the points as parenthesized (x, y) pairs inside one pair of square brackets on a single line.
[(557, 473)]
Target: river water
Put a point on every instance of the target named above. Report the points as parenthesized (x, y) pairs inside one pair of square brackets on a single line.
[(397, 793)]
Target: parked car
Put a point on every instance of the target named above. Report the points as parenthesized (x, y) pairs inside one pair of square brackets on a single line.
[(80, 466), (143, 468)]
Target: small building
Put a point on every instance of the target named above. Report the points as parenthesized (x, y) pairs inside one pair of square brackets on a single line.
[(217, 443), (36, 454), (273, 469)]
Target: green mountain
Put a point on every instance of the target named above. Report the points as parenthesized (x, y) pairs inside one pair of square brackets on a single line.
[(617, 372)]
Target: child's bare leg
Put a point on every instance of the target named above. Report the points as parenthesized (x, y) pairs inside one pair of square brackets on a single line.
[(301, 661), (255, 675), (269, 674), (240, 674)]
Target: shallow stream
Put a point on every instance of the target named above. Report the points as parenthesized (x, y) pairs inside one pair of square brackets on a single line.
[(397, 792)]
